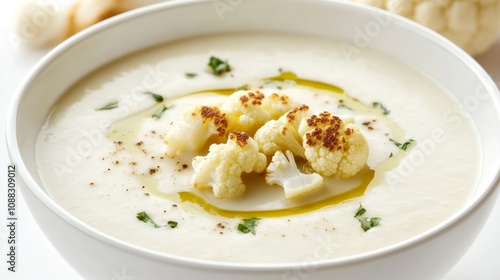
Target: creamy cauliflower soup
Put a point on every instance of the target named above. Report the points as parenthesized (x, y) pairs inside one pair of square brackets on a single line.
[(260, 148)]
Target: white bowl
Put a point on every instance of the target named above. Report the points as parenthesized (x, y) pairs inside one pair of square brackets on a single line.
[(98, 256)]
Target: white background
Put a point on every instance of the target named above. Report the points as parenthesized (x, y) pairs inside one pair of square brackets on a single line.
[(37, 259)]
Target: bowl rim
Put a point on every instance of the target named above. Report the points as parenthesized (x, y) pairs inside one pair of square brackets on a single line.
[(44, 198)]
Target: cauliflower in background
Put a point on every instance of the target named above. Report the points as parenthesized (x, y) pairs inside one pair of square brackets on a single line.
[(249, 110), (471, 24), (333, 148), (198, 125), (222, 167), (281, 134), (283, 171)]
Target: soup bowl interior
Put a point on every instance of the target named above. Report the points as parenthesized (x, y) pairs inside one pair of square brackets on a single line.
[(97, 256)]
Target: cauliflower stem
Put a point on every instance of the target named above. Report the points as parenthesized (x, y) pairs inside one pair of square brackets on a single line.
[(283, 171)]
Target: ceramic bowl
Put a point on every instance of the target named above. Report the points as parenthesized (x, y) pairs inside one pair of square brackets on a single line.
[(95, 255)]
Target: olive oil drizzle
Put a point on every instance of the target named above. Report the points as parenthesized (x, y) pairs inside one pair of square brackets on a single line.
[(282, 78), (290, 76), (127, 130), (302, 209)]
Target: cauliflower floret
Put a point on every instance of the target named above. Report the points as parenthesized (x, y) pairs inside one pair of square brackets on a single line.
[(278, 104), (283, 171), (281, 134), (198, 125), (222, 167), (249, 110), (333, 148)]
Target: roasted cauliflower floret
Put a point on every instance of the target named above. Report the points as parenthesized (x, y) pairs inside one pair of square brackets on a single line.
[(283, 171), (249, 110), (278, 104), (222, 167), (281, 134), (197, 126), (333, 148)]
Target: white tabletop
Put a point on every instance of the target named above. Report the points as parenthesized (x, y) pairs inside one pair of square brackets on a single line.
[(37, 259)]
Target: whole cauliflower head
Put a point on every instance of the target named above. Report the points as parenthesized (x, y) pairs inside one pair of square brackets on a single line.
[(282, 134), (333, 148), (222, 167), (198, 125), (283, 171), (249, 110), (471, 24)]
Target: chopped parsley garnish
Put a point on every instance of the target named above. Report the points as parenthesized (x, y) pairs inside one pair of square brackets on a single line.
[(403, 146), (191, 75), (219, 66), (172, 224), (360, 211), (366, 223), (379, 105), (157, 97), (144, 217), (109, 106), (342, 106), (160, 112), (248, 225), (390, 155)]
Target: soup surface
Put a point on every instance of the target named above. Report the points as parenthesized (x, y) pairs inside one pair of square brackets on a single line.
[(101, 154)]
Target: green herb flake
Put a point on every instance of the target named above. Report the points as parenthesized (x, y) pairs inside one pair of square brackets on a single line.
[(157, 97), (109, 106), (218, 66), (374, 221), (160, 112), (406, 144), (248, 225), (366, 223), (360, 211), (403, 146), (172, 224), (342, 106), (191, 75), (144, 217), (379, 105), (391, 155)]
